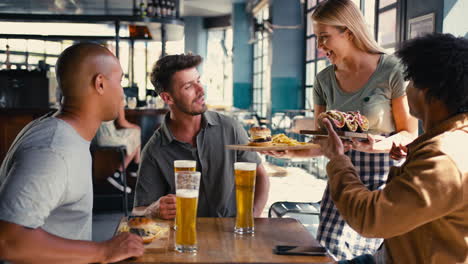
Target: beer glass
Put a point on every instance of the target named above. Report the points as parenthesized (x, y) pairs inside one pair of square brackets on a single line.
[(187, 186), (185, 165), (244, 173)]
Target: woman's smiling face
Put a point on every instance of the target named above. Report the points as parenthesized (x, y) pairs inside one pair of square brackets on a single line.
[(333, 41)]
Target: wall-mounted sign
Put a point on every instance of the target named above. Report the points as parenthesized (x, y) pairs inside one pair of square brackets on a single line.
[(421, 25)]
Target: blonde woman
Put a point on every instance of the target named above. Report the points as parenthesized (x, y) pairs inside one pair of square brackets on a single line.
[(362, 77)]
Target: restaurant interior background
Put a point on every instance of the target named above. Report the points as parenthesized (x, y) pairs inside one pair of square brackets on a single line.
[(259, 66)]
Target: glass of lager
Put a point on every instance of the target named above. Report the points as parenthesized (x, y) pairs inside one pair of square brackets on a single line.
[(185, 165), (244, 173), (187, 185)]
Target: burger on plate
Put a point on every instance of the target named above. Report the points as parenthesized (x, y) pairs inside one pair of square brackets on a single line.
[(146, 228), (260, 136)]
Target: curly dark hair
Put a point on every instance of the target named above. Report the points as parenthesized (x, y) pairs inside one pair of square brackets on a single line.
[(164, 69), (438, 63)]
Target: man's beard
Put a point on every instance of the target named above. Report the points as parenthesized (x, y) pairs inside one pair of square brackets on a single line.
[(184, 109)]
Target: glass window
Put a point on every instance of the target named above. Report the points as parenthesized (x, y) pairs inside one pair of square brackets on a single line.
[(310, 28), (311, 3), (265, 47), (53, 47), (310, 73), (17, 59), (369, 15), (217, 74), (154, 52), (265, 65), (387, 27), (358, 3), (175, 47), (311, 47), (384, 3), (140, 68), (17, 45), (66, 44), (36, 46), (390, 50), (34, 60), (261, 67), (124, 54), (309, 104), (51, 61)]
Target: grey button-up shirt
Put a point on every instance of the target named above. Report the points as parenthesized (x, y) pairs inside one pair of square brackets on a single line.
[(214, 161)]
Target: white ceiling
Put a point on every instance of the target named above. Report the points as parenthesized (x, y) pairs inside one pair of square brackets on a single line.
[(99, 7)]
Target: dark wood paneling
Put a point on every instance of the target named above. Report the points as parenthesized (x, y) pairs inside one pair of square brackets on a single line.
[(12, 121)]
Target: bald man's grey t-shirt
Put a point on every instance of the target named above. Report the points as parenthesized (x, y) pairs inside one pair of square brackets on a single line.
[(215, 162), (45, 180)]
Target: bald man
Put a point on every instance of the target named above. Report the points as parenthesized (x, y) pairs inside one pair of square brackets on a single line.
[(45, 180)]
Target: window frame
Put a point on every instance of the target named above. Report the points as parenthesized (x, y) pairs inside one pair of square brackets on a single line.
[(261, 88)]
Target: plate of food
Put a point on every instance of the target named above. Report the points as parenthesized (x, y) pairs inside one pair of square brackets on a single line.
[(347, 125), (261, 140), (155, 234)]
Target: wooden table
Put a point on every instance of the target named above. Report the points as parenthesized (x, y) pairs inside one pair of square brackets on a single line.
[(217, 243)]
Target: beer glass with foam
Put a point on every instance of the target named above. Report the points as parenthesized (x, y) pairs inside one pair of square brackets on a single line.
[(187, 186), (185, 165), (244, 173)]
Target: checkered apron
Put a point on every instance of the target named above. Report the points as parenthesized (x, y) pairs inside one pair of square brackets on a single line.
[(333, 233)]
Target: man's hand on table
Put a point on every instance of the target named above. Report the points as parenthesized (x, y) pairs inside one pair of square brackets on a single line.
[(122, 246), (331, 146), (164, 208)]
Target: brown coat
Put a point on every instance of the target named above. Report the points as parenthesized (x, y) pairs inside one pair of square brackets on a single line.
[(423, 210)]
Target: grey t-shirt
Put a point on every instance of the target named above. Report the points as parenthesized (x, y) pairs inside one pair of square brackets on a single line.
[(214, 161), (45, 180), (374, 99)]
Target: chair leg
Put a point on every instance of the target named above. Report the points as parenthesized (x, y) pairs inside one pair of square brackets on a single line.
[(123, 176)]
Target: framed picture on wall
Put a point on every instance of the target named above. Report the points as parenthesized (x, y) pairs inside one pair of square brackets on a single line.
[(421, 25)]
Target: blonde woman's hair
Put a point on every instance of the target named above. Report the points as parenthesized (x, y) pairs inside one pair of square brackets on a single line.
[(345, 14)]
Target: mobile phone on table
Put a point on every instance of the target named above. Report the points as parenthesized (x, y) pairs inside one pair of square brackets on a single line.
[(300, 250)]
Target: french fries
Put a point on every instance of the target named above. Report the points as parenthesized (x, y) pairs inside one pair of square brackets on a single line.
[(282, 139)]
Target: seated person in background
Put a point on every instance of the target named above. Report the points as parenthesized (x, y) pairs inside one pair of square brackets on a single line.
[(422, 212), (121, 132), (46, 192), (190, 132)]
